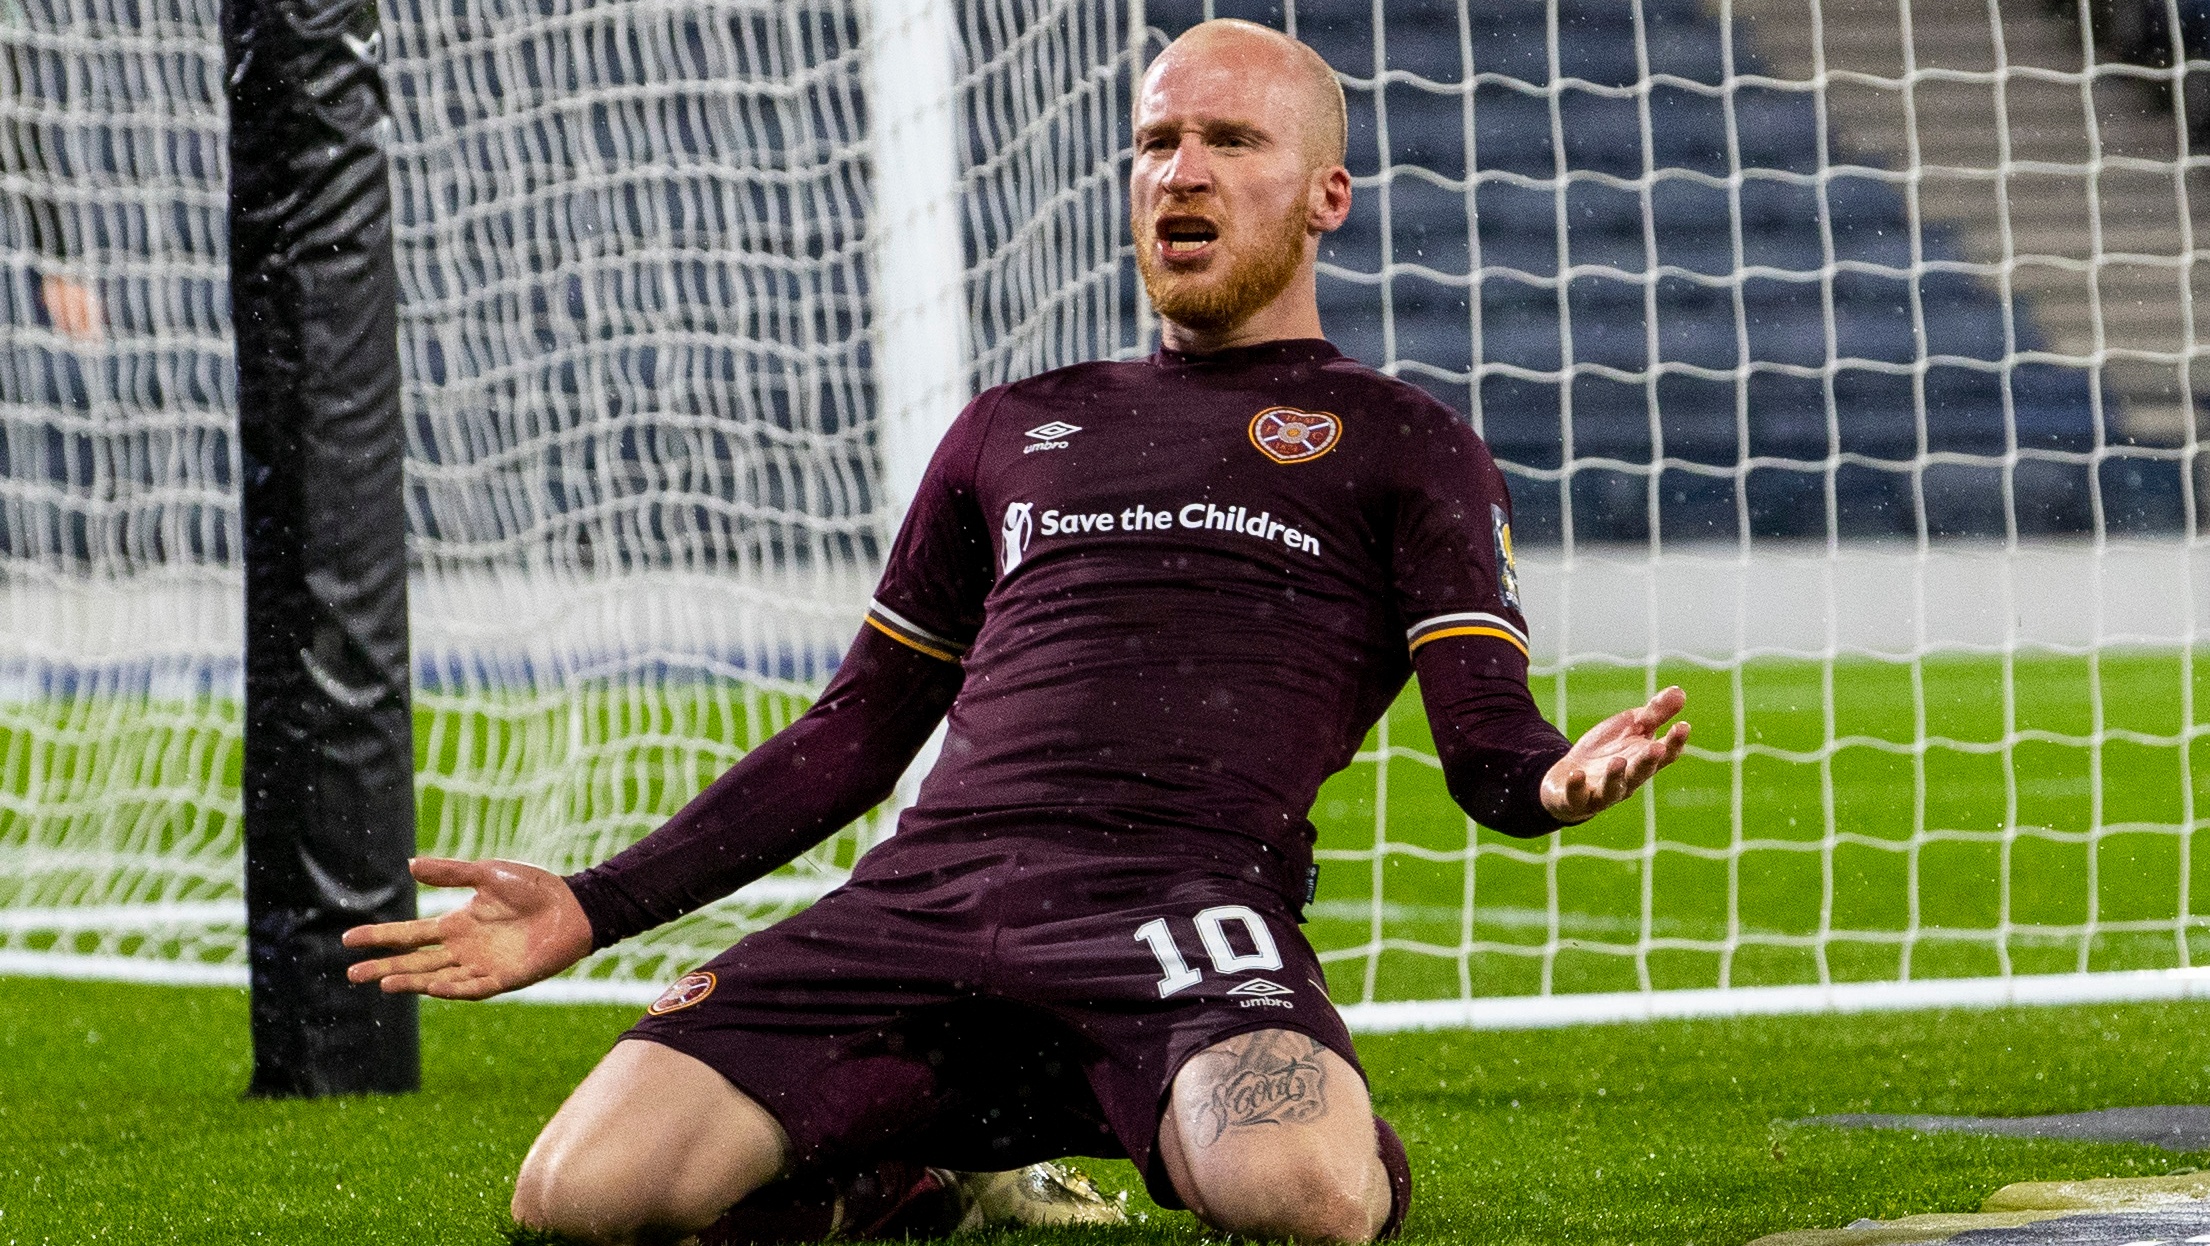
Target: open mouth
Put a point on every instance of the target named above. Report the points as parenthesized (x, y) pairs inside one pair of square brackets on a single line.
[(1185, 236)]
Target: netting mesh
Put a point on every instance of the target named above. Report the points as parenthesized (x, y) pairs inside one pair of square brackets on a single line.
[(634, 242), (119, 628), (1841, 357), (1042, 113), (643, 491), (632, 254)]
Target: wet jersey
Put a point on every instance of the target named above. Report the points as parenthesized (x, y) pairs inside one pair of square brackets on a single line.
[(1160, 601), (1183, 588)]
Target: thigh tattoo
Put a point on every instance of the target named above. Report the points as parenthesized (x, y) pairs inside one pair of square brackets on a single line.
[(1274, 1077)]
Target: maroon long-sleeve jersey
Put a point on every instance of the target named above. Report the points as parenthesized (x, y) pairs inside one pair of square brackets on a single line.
[(1170, 597), (1184, 588)]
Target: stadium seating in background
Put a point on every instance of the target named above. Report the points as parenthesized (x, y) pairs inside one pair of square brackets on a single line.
[(1574, 375), (2140, 32)]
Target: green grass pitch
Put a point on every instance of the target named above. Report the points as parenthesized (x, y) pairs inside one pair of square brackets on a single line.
[(1963, 792), (121, 1122), (2093, 765), (2041, 816)]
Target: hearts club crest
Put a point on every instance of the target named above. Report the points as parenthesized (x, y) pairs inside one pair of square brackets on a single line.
[(686, 990), (1287, 435)]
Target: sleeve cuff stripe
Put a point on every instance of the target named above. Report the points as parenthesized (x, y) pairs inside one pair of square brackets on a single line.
[(1474, 618), (1498, 632), (913, 629), (937, 651)]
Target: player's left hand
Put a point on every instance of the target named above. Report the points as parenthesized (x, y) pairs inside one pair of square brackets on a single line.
[(1614, 758)]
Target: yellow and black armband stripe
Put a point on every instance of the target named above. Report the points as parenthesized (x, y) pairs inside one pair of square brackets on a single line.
[(1469, 623), (910, 634)]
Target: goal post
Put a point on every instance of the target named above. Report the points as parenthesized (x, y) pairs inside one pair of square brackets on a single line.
[(327, 767), (914, 238), (1841, 358)]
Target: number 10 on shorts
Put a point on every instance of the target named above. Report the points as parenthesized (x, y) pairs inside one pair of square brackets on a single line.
[(1212, 929)]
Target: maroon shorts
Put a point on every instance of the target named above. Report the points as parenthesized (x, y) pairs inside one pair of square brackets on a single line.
[(1008, 1003)]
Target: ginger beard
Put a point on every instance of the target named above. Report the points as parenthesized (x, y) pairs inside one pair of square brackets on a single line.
[(1228, 291)]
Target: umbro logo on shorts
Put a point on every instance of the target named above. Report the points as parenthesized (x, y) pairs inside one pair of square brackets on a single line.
[(687, 990), (1051, 436), (1262, 992)]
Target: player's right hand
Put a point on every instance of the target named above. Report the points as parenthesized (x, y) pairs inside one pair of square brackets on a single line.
[(1615, 757), (523, 925)]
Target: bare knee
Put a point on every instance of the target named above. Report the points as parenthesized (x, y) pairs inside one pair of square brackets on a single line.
[(651, 1147), (565, 1194), (1305, 1199), (584, 1186), (536, 1203)]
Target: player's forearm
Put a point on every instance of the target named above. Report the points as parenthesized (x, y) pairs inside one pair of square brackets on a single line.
[(1492, 739), (840, 759)]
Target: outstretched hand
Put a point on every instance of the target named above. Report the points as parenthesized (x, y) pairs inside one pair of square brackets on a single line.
[(522, 925), (1614, 758)]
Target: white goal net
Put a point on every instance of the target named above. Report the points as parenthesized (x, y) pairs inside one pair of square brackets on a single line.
[(120, 618), (1840, 355), (646, 487)]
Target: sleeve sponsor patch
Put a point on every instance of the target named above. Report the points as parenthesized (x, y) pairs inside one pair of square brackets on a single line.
[(1507, 571)]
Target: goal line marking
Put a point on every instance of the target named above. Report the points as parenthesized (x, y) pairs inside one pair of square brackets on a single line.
[(1533, 1012), (1530, 1012)]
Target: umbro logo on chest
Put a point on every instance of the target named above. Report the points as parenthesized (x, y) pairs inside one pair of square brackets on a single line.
[(1051, 436)]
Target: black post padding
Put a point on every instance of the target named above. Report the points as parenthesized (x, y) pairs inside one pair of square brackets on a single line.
[(329, 755)]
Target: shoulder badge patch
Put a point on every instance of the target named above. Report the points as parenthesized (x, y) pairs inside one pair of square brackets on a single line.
[(1507, 571), (687, 990), (1287, 435)]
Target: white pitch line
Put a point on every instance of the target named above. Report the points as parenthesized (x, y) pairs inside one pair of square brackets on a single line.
[(1505, 1013), (1533, 1012), (118, 969)]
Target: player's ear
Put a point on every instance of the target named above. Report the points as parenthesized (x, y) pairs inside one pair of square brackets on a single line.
[(1329, 194)]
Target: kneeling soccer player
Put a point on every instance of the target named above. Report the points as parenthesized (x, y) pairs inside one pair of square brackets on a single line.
[(1160, 601)]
